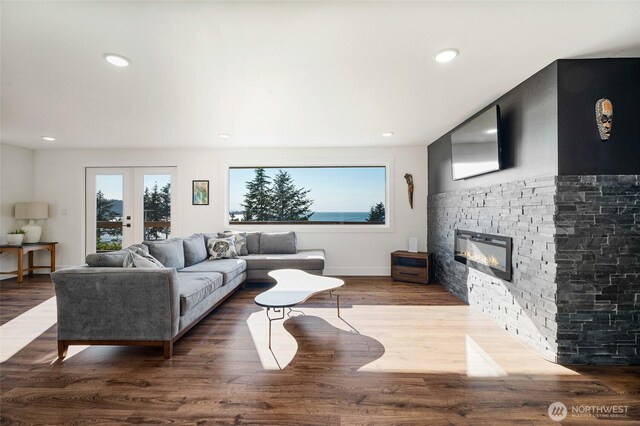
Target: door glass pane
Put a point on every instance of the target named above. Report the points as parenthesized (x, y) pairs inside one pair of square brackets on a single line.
[(109, 189), (157, 207)]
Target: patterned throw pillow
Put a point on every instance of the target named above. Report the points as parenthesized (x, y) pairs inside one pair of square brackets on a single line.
[(222, 248), (241, 240), (134, 260)]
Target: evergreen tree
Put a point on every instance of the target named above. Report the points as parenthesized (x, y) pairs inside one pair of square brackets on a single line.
[(257, 200), (105, 213), (376, 214), (165, 205), (287, 202), (104, 208), (157, 208)]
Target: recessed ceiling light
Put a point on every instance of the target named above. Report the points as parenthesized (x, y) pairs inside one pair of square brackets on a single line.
[(224, 136), (116, 60), (446, 55), (48, 138), (491, 131), (387, 134)]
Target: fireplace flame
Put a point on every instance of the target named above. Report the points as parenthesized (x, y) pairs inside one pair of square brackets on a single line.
[(490, 261)]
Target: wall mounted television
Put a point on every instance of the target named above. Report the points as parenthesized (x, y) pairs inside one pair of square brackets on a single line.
[(475, 147)]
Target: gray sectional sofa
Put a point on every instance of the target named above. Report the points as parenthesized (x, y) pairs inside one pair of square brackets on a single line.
[(104, 303)]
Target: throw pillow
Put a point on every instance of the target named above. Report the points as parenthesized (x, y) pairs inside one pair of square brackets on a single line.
[(241, 240), (148, 257), (134, 260), (222, 248)]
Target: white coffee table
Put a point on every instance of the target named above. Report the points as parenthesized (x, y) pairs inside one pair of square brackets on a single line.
[(294, 287)]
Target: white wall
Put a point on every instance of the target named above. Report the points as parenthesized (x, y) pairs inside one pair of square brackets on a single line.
[(16, 185), (59, 180)]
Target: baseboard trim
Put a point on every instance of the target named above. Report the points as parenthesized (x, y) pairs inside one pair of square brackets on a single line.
[(35, 272), (38, 271), (347, 271), (358, 271)]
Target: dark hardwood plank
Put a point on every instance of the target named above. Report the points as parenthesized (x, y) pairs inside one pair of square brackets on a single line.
[(410, 364)]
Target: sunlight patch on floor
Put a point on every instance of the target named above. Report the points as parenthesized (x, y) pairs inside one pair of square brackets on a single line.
[(416, 339), (25, 328), (480, 363)]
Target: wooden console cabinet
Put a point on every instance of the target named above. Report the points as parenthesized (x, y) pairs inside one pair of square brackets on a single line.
[(411, 267)]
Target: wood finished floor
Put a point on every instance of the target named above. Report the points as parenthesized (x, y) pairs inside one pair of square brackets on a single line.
[(404, 354)]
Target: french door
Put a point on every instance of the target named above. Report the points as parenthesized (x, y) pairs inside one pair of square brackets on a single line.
[(127, 205)]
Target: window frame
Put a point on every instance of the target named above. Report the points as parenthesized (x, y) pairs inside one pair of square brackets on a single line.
[(388, 226)]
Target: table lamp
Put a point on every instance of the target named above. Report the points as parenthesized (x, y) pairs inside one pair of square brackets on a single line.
[(32, 211)]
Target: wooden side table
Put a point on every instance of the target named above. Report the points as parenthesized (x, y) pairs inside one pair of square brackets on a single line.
[(29, 248), (411, 267)]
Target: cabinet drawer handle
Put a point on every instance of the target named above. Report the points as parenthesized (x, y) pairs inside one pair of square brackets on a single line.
[(410, 274)]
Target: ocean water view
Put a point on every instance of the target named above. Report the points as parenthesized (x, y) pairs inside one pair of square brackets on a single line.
[(339, 217), (328, 216)]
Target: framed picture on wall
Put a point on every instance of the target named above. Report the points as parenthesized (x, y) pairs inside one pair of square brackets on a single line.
[(200, 192)]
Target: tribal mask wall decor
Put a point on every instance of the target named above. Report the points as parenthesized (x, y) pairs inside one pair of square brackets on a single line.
[(604, 117)]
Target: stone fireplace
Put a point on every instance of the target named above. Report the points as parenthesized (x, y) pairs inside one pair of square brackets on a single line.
[(520, 295), (573, 289)]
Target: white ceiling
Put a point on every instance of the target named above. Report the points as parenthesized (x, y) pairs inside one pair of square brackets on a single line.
[(290, 74)]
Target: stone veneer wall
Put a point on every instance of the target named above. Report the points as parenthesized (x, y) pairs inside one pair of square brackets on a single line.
[(575, 292), (598, 258), (523, 210)]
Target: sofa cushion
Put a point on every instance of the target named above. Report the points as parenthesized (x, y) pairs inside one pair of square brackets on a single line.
[(229, 268), (113, 259), (278, 242), (222, 248), (304, 259), (194, 287), (253, 242), (169, 252), (241, 241), (195, 249)]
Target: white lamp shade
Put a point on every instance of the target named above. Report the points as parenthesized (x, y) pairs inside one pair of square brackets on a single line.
[(32, 211)]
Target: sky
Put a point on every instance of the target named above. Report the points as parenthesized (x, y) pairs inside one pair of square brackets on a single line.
[(111, 185), (333, 189)]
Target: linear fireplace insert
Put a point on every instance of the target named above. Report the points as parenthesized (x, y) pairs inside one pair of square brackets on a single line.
[(490, 254)]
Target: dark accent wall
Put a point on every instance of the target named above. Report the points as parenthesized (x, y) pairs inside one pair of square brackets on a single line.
[(548, 126), (529, 128), (580, 84)]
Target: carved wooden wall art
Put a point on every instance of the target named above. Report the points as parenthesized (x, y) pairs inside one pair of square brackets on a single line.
[(409, 178)]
